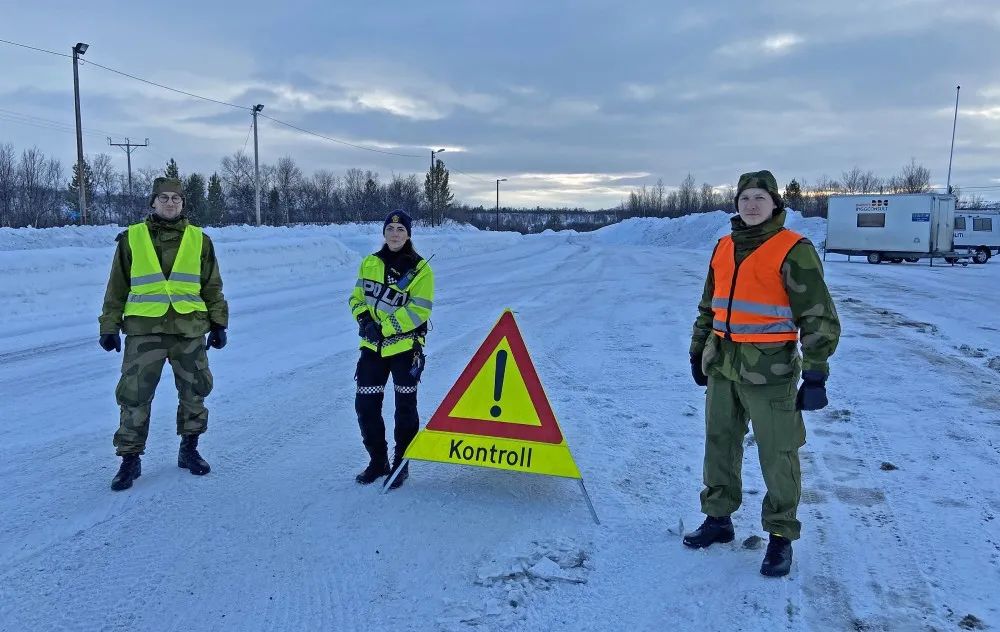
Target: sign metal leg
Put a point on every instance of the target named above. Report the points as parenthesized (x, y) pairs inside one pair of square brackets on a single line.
[(590, 505), (388, 481)]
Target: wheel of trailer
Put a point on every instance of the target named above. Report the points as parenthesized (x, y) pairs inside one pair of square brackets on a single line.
[(912, 259), (982, 256), (874, 257), (952, 260)]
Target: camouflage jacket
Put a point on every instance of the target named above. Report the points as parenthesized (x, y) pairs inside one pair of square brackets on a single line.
[(812, 310), (166, 237)]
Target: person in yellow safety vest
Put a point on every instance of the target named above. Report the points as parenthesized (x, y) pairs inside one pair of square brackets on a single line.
[(391, 301), (764, 294), (165, 294)]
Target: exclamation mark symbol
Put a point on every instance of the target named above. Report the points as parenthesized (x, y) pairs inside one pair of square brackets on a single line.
[(498, 381)]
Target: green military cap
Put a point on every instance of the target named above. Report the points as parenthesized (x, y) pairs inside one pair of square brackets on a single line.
[(760, 180), (166, 185)]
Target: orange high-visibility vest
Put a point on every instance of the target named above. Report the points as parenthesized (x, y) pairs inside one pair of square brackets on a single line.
[(750, 301)]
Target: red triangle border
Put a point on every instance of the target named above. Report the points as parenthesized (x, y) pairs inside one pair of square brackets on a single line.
[(548, 432)]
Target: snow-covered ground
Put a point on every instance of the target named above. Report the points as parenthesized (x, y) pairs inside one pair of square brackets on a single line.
[(900, 500)]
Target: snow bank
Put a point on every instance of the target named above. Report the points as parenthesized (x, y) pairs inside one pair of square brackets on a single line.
[(696, 231)]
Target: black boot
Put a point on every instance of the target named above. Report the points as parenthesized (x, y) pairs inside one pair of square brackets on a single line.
[(131, 469), (188, 457), (378, 467), (711, 531), (404, 474), (778, 559)]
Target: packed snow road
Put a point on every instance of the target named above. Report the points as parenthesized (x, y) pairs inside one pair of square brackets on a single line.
[(900, 498)]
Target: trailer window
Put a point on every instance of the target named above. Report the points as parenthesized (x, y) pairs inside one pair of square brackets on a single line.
[(982, 223), (871, 220), (959, 223)]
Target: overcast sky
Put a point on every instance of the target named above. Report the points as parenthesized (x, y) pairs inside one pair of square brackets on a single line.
[(574, 103)]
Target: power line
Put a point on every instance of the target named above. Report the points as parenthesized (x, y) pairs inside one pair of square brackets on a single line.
[(160, 85), (337, 140), (91, 130), (469, 176), (125, 74), (225, 103), (38, 122), (41, 50), (247, 139)]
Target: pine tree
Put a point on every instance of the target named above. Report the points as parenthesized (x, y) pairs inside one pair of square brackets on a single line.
[(172, 171), (74, 186), (793, 195), (437, 191), (372, 200), (273, 207), (216, 203), (194, 198)]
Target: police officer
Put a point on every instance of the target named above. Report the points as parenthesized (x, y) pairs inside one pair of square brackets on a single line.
[(165, 294), (764, 295), (392, 303)]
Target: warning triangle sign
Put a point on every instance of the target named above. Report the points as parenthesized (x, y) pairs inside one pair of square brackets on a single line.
[(497, 414)]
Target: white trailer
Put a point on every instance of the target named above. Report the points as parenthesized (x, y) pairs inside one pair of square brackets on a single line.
[(895, 228), (977, 233)]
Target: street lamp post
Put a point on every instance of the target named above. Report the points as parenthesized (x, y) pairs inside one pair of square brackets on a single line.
[(78, 50), (499, 180), (433, 182), (954, 124), (256, 162)]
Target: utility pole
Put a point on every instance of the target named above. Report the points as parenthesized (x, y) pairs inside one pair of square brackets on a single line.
[(129, 148), (256, 161), (78, 50), (954, 124), (499, 180), (433, 183)]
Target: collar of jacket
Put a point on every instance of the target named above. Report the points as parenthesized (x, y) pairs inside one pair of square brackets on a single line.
[(744, 235), (402, 260), (157, 223)]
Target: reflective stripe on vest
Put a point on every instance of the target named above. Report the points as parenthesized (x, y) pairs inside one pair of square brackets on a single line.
[(750, 302), (151, 293)]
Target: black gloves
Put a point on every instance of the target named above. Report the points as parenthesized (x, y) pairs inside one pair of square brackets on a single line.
[(369, 329), (110, 342), (812, 393), (699, 376), (216, 337)]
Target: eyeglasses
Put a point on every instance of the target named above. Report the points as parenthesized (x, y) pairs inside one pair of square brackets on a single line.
[(164, 198)]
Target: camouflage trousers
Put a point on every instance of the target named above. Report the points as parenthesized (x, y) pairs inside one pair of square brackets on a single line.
[(779, 433), (142, 365)]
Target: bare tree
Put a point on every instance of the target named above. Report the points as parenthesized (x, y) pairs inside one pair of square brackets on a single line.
[(30, 178), (659, 198), (355, 181), (687, 195), (52, 199), (105, 188), (288, 181), (403, 192), (858, 181), (237, 177), (8, 184), (912, 178)]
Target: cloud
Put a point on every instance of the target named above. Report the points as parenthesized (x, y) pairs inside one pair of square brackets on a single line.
[(640, 91), (593, 190), (775, 45), (371, 85), (781, 43), (991, 113)]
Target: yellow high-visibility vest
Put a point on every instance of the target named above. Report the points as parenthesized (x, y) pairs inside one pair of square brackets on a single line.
[(151, 292), (401, 312)]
